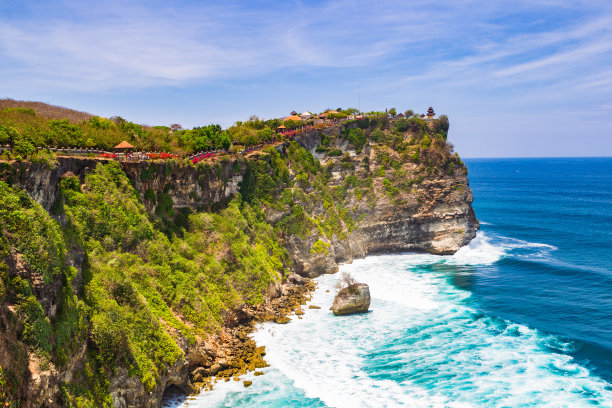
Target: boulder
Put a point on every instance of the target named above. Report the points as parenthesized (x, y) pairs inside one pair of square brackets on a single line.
[(296, 279), (352, 299)]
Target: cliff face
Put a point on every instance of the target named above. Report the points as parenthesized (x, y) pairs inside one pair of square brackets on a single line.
[(355, 200), (199, 187), (429, 212)]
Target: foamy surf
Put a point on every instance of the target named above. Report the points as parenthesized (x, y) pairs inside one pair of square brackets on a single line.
[(423, 344)]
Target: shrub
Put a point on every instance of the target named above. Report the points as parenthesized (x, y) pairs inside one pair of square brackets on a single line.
[(357, 138), (442, 125), (426, 141), (320, 247), (346, 280), (24, 147), (377, 135), (390, 190), (36, 326), (149, 195)]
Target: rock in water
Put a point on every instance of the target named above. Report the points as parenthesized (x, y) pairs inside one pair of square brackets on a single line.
[(352, 299)]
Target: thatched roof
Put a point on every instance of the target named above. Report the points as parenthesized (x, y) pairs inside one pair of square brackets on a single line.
[(292, 118), (124, 145), (282, 127), (430, 112)]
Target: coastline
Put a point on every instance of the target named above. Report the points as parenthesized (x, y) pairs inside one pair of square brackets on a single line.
[(403, 349), (237, 354)]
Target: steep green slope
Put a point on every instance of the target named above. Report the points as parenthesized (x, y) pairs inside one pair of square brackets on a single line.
[(141, 292)]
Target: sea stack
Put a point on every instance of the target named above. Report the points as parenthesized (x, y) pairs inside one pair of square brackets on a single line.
[(352, 299)]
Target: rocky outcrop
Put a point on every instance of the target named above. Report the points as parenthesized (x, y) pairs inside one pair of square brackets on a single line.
[(352, 299), (433, 215)]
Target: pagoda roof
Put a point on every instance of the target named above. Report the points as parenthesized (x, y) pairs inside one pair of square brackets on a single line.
[(124, 145)]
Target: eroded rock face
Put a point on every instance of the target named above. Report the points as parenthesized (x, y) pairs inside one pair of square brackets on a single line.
[(351, 300), (433, 215), (189, 187)]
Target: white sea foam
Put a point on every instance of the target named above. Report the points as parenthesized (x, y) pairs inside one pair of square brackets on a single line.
[(423, 344), (479, 252), (486, 250)]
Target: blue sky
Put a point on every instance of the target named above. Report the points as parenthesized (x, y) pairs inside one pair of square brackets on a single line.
[(516, 78)]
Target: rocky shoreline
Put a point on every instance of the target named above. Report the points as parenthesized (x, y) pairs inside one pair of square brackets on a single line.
[(237, 354)]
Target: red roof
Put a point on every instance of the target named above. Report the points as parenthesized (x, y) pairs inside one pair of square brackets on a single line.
[(124, 145)]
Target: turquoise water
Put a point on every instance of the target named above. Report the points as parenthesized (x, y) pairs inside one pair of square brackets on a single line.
[(521, 317)]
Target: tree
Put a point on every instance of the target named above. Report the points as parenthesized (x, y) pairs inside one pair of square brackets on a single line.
[(409, 113), (442, 124), (392, 112), (8, 136), (24, 147), (175, 127)]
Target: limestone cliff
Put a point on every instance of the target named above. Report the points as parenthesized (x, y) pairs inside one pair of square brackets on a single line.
[(431, 213), (199, 187), (332, 196)]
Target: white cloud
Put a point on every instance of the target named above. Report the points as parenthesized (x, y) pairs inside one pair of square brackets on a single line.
[(448, 43)]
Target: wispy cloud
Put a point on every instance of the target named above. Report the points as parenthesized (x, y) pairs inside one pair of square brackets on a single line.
[(507, 56), (144, 44)]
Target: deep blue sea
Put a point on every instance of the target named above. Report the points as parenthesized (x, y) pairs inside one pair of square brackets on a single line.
[(521, 317)]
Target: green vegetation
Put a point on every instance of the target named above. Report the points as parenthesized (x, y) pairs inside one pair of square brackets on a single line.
[(134, 285), (6, 392), (320, 247), (95, 132), (357, 138), (142, 289), (205, 138)]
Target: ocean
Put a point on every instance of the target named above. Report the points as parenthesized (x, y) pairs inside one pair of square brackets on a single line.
[(521, 317)]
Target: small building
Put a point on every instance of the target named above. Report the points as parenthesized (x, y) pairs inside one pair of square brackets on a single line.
[(293, 113), (124, 147), (281, 129), (422, 116), (305, 115), (292, 117), (400, 116), (430, 113)]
